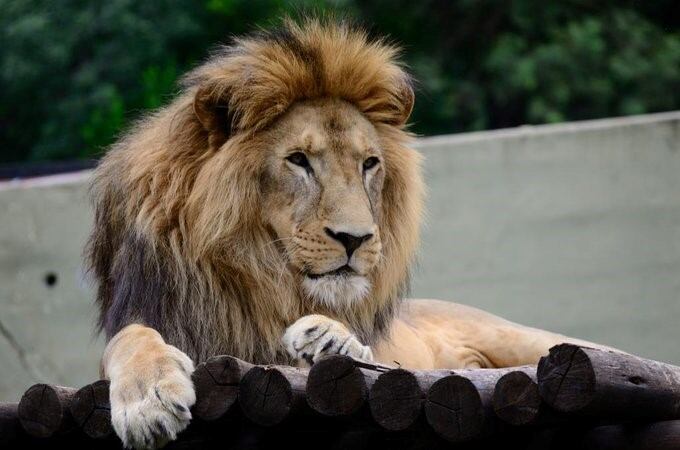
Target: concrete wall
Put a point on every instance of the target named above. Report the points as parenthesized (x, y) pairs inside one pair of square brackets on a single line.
[(574, 228), (46, 311)]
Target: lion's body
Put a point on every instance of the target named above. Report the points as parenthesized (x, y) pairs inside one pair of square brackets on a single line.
[(277, 193), (430, 334)]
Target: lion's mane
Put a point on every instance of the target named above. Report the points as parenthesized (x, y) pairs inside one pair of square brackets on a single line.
[(178, 243)]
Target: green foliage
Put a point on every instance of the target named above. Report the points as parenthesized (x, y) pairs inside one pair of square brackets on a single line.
[(74, 73), (488, 64)]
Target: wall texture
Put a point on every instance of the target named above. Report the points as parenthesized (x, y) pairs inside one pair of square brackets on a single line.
[(573, 227), (46, 311)]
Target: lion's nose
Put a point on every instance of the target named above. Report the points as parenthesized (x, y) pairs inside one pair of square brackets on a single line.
[(351, 242)]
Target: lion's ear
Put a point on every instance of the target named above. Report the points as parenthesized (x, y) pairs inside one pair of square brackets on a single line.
[(406, 99), (394, 104), (211, 106)]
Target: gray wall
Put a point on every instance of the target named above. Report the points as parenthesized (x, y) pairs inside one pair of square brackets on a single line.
[(46, 332), (573, 228)]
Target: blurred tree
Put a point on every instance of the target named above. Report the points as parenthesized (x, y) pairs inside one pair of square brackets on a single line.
[(75, 72), (493, 63)]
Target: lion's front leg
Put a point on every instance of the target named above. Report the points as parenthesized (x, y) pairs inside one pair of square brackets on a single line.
[(314, 336), (151, 389)]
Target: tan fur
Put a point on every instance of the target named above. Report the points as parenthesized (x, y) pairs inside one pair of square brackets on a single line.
[(151, 389), (437, 334), (211, 238), (192, 248), (194, 198)]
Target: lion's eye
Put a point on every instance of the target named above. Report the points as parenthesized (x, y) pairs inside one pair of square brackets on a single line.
[(299, 159), (371, 163)]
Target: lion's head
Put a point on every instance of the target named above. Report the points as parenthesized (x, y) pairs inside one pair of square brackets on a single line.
[(276, 185)]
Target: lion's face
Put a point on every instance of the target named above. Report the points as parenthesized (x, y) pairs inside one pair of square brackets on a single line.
[(322, 191)]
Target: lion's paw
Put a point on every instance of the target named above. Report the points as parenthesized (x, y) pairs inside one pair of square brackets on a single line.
[(314, 336), (148, 411)]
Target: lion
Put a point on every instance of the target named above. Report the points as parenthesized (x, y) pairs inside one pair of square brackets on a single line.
[(272, 212)]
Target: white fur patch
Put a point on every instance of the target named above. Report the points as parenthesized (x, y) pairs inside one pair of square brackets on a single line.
[(337, 291), (314, 336)]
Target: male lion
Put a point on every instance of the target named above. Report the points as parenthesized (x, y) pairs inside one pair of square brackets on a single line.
[(272, 212)]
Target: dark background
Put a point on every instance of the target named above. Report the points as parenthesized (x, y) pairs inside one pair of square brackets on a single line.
[(74, 73)]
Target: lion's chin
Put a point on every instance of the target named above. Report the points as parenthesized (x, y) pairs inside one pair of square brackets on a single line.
[(337, 291)]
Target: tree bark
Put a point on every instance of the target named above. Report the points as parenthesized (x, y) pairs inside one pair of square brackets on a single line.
[(608, 385)]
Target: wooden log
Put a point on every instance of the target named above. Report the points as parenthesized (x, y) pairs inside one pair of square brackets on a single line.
[(270, 394), (397, 397), (516, 400), (663, 435), (11, 430), (454, 408), (607, 384), (91, 409), (459, 407), (217, 385), (339, 385), (44, 409)]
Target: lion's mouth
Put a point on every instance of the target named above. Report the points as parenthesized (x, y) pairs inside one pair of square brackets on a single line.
[(345, 270)]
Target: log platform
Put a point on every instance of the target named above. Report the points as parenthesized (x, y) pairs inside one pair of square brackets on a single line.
[(577, 397)]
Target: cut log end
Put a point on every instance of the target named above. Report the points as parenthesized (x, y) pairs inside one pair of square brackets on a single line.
[(454, 409), (216, 381), (566, 378), (266, 396), (396, 400), (336, 386), (42, 409), (91, 409), (516, 399)]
